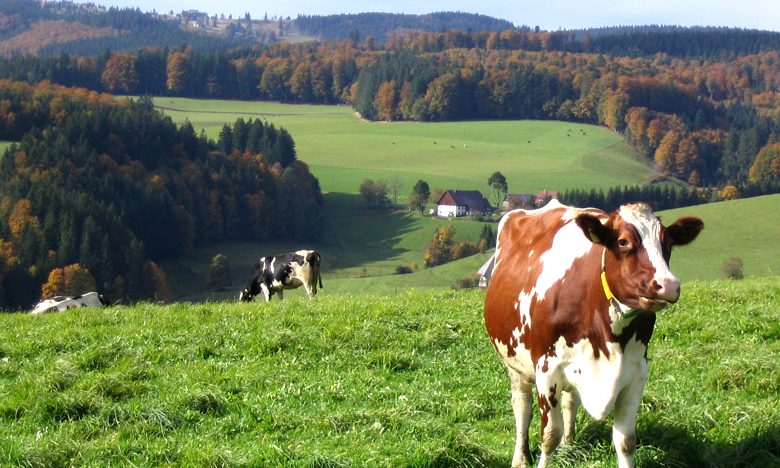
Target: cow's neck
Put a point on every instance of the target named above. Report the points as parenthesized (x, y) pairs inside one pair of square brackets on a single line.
[(618, 312)]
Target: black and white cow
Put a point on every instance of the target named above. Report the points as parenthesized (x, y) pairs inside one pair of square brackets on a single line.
[(275, 273), (60, 303)]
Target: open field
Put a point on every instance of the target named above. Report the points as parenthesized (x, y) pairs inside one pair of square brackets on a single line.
[(405, 380), (342, 149), (748, 229)]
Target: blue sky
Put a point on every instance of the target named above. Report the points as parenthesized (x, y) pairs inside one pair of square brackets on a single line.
[(547, 14)]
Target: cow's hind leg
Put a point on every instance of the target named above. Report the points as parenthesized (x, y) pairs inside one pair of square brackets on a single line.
[(624, 426), (552, 417), (570, 401), (522, 394)]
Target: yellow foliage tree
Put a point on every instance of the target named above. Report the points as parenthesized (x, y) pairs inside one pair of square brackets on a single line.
[(68, 281)]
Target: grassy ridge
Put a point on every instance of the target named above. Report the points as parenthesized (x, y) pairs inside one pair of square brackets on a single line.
[(405, 380), (747, 228)]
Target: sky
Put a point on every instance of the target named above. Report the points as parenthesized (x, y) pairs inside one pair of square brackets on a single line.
[(550, 15)]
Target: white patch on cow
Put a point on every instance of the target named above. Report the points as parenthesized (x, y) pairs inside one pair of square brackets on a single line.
[(568, 245), (649, 228), (598, 381)]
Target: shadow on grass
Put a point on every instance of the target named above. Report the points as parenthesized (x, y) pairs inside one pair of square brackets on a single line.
[(663, 445), (361, 235)]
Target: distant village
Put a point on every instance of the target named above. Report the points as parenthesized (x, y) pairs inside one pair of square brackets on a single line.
[(268, 29), (459, 203)]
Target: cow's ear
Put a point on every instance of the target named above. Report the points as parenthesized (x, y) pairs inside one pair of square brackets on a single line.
[(594, 230), (685, 230)]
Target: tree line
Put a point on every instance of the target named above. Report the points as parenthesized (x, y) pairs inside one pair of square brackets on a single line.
[(701, 121), (117, 186)]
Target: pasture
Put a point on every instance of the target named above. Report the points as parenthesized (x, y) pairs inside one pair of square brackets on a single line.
[(404, 380), (342, 149)]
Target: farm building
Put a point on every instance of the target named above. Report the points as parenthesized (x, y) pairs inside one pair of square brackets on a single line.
[(528, 200), (455, 203), (518, 200)]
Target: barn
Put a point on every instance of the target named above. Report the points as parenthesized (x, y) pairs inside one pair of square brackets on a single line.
[(455, 203)]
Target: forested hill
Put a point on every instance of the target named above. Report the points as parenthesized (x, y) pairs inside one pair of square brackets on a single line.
[(677, 41), (113, 187), (379, 26), (26, 28)]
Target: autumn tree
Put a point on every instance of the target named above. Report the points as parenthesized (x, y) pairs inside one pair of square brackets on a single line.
[(374, 193), (70, 280), (386, 101), (177, 72), (119, 74), (766, 166), (666, 152), (439, 248)]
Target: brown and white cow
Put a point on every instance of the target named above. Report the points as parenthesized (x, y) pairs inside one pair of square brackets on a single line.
[(571, 308)]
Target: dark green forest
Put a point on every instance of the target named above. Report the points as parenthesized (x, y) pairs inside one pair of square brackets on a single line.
[(379, 27), (115, 186)]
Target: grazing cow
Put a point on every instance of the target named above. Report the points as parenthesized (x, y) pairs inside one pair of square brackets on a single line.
[(275, 273), (59, 303), (571, 308)]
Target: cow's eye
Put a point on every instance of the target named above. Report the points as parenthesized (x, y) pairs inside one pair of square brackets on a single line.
[(623, 243)]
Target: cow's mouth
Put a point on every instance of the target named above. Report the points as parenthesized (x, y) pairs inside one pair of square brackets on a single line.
[(652, 305)]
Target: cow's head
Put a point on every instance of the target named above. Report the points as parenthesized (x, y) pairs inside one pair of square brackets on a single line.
[(638, 248), (245, 295)]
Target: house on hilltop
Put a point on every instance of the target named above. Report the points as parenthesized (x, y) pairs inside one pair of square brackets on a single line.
[(455, 203)]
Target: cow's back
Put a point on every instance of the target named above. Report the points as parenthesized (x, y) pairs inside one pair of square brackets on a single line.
[(535, 249)]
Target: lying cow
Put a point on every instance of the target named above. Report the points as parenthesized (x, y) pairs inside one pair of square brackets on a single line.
[(60, 303), (570, 309), (275, 273)]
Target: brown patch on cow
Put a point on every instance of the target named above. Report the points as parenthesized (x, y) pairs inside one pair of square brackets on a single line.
[(544, 409), (514, 276), (553, 393)]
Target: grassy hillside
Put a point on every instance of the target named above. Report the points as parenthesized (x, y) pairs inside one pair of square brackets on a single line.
[(364, 260), (405, 380), (748, 229), (342, 150)]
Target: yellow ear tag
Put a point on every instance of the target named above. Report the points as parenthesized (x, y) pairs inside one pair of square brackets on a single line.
[(594, 237)]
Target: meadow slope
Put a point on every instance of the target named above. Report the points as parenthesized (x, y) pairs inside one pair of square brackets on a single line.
[(342, 149), (404, 380)]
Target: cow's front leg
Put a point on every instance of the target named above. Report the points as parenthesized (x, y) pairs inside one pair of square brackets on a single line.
[(281, 294), (549, 397), (624, 426), (522, 392), (266, 292), (570, 401)]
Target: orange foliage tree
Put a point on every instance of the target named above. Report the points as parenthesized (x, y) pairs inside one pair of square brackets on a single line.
[(68, 281)]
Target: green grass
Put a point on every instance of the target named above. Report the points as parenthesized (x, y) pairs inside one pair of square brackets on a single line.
[(748, 228), (409, 379), (342, 149)]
